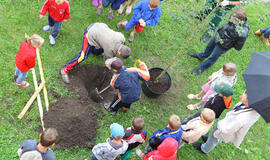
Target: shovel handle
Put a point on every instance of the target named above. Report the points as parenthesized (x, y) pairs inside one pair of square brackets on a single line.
[(138, 61), (104, 89)]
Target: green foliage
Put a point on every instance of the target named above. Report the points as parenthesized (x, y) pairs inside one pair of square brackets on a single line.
[(155, 45)]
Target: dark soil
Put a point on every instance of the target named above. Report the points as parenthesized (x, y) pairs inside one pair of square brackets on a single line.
[(162, 85), (76, 118)]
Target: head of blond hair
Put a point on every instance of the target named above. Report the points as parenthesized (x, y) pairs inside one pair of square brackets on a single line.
[(230, 69), (59, 1), (154, 3), (208, 115), (35, 40), (174, 122)]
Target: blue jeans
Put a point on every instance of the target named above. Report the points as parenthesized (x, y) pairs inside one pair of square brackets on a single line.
[(21, 75), (115, 4), (266, 32), (210, 143), (56, 24), (213, 51), (93, 157)]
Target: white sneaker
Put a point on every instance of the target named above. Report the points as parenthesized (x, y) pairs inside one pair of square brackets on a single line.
[(120, 10), (24, 84), (64, 76), (128, 11), (139, 153), (52, 40), (47, 28)]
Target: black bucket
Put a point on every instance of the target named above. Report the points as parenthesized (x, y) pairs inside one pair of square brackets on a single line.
[(147, 86)]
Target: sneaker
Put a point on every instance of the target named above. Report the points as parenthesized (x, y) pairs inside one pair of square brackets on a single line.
[(128, 11), (107, 107), (121, 23), (197, 71), (24, 84), (197, 146), (139, 153), (64, 76), (52, 40), (194, 55), (258, 32), (47, 28), (204, 138), (99, 11), (120, 10), (110, 16), (131, 37)]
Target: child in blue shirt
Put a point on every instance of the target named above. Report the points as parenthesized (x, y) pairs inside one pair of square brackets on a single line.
[(173, 130), (145, 13)]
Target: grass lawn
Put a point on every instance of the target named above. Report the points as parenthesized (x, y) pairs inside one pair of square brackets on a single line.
[(155, 46)]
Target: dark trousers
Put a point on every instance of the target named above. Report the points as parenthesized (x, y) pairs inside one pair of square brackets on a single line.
[(115, 5), (85, 51), (117, 104), (213, 51), (56, 24)]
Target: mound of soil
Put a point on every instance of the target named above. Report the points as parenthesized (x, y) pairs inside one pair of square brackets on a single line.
[(76, 118), (162, 85)]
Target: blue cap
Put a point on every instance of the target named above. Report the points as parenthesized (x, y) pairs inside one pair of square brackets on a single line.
[(117, 130)]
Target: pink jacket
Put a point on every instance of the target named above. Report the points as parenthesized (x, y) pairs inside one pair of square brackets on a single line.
[(165, 151)]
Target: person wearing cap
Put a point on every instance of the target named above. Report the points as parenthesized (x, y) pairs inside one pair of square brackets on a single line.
[(234, 127), (98, 39), (126, 80), (218, 103), (113, 147)]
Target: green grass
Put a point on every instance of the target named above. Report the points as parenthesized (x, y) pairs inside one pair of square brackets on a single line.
[(156, 46)]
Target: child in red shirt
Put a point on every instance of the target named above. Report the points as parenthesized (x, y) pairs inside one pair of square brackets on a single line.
[(58, 12), (26, 58)]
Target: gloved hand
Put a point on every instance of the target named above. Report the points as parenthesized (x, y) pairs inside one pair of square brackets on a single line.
[(225, 3)]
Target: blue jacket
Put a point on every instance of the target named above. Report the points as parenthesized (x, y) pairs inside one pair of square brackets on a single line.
[(167, 132), (127, 81), (142, 10)]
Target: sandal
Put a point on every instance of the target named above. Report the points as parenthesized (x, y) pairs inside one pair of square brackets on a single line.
[(192, 106), (193, 96)]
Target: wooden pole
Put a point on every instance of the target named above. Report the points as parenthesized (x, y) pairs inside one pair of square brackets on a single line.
[(43, 80), (31, 100), (38, 98)]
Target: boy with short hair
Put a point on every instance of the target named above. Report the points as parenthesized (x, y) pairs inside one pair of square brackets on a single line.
[(228, 36), (197, 127), (31, 149), (127, 81), (145, 13), (134, 136), (173, 130), (113, 147), (58, 12)]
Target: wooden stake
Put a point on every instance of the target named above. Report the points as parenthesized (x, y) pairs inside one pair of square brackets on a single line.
[(42, 80), (31, 100), (38, 98)]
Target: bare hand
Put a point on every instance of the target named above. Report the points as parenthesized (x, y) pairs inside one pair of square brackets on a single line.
[(41, 16)]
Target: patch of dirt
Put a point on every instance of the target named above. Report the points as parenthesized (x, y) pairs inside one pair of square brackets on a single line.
[(54, 94), (75, 118), (163, 83)]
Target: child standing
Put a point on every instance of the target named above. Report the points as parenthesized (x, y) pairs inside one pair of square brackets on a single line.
[(96, 3), (26, 58), (173, 130), (145, 13), (228, 36), (134, 136), (58, 12), (113, 147), (127, 81), (115, 5), (264, 34), (227, 74), (31, 149)]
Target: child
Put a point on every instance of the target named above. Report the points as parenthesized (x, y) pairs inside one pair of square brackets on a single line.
[(231, 35), (173, 130), (227, 75), (197, 127), (233, 127), (34, 150), (26, 58), (58, 12), (218, 103), (113, 147), (115, 5), (98, 38), (129, 7), (145, 13), (264, 33), (165, 151), (222, 7), (127, 81), (134, 136)]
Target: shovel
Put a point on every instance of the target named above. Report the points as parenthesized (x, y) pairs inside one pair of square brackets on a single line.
[(95, 94)]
